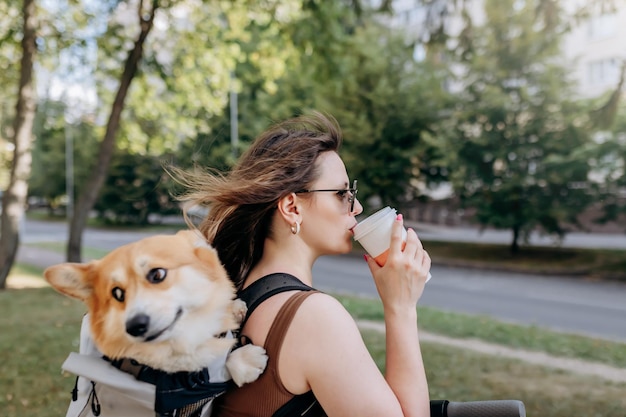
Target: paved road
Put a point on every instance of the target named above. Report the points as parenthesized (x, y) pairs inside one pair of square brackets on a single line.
[(571, 240), (561, 303)]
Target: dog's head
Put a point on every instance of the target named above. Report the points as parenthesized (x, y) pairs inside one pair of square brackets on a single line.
[(156, 296)]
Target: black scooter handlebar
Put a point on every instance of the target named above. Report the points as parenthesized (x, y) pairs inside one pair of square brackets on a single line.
[(492, 408)]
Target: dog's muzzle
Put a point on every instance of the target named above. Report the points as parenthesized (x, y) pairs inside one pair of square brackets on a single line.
[(139, 326)]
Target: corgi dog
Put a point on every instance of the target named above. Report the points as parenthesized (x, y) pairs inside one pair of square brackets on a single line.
[(164, 301)]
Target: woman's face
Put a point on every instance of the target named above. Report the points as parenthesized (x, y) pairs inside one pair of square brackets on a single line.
[(327, 221)]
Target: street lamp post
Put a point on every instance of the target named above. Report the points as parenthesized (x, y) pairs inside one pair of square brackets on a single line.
[(69, 167)]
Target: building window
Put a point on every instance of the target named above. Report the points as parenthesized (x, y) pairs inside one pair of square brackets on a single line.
[(603, 71), (602, 26)]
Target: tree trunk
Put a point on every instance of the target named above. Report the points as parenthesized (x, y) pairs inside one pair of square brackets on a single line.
[(515, 242), (14, 199), (96, 180)]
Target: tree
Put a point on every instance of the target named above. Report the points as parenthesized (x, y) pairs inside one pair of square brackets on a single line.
[(9, 79), (520, 146), (51, 129), (364, 73), (14, 199), (390, 107), (145, 14), (135, 188), (609, 164), (183, 81)]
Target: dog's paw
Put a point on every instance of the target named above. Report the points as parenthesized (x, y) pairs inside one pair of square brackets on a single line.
[(239, 309), (246, 364)]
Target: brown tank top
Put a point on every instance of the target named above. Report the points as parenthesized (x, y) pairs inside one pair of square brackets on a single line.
[(266, 395)]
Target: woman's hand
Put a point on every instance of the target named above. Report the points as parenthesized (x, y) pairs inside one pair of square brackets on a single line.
[(400, 282)]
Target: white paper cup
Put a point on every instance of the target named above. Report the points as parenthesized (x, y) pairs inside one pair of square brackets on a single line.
[(374, 234)]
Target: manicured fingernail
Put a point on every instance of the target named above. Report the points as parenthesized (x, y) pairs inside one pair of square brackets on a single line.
[(365, 257), (399, 217)]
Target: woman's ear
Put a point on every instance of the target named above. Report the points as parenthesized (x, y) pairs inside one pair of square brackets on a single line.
[(289, 208)]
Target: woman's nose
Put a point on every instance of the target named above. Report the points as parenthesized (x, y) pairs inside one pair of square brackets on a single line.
[(358, 208)]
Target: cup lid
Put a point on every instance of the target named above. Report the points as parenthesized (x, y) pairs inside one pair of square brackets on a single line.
[(366, 225)]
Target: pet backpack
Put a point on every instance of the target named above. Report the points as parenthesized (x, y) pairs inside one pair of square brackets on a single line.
[(107, 388), (126, 389)]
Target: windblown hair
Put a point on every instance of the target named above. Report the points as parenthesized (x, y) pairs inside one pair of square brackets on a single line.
[(242, 202)]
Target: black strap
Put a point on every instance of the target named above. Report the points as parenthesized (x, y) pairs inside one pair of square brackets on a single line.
[(303, 405), (180, 393), (269, 285), (253, 295)]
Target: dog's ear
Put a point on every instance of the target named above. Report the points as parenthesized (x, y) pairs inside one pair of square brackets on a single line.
[(208, 256), (201, 249), (71, 279), (193, 236)]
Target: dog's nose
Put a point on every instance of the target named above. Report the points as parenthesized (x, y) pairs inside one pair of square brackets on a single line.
[(138, 325)]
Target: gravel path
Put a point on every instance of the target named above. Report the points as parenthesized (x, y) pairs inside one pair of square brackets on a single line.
[(536, 358)]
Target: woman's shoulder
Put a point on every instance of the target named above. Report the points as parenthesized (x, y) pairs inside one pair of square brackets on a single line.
[(322, 302), (322, 313)]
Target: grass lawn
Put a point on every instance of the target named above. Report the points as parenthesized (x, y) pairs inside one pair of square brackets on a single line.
[(591, 263), (461, 375), (490, 330), (40, 327)]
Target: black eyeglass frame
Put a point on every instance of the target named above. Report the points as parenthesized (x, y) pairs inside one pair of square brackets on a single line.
[(351, 197)]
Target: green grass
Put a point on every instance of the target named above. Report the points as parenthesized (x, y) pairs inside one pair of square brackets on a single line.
[(461, 375), (40, 327), (593, 263), (490, 330)]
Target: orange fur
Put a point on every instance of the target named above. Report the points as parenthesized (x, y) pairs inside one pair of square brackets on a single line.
[(185, 311)]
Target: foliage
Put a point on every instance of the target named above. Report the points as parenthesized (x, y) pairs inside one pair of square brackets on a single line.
[(48, 177), (9, 74), (285, 57), (391, 107), (610, 163), (135, 188), (185, 77), (14, 198), (519, 149), (365, 75)]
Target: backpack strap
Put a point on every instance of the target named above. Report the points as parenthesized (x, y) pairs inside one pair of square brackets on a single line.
[(268, 286)]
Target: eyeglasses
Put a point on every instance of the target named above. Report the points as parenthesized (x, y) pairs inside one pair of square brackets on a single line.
[(351, 197)]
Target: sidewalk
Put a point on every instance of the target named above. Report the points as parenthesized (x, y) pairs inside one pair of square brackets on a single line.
[(41, 258)]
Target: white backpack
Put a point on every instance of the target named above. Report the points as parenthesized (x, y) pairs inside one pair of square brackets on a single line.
[(103, 390)]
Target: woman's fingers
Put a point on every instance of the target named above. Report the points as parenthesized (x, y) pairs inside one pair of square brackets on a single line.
[(408, 251), (395, 245), (413, 244)]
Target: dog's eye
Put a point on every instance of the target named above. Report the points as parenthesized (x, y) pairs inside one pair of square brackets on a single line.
[(156, 275), (118, 294)]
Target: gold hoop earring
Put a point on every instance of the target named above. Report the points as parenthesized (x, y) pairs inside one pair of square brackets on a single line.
[(295, 229)]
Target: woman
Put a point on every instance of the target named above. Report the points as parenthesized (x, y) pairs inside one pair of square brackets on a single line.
[(284, 205)]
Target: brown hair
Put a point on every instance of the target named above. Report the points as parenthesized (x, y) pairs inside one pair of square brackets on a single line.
[(242, 202)]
